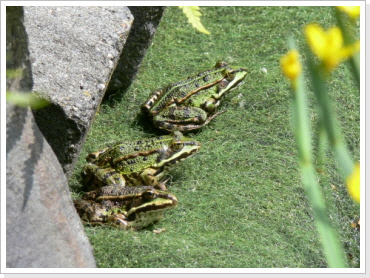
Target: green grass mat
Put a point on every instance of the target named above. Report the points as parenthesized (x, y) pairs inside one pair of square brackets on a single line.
[(242, 204)]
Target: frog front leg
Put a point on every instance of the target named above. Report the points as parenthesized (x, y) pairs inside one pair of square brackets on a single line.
[(96, 177), (150, 176), (182, 118), (119, 220)]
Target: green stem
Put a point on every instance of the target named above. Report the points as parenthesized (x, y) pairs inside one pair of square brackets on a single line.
[(329, 237), (330, 241), (322, 139), (302, 130), (327, 116)]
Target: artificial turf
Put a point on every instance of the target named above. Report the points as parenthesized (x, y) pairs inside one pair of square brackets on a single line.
[(242, 204)]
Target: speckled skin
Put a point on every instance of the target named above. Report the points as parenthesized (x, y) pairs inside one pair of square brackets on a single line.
[(141, 162), (124, 207), (191, 103)]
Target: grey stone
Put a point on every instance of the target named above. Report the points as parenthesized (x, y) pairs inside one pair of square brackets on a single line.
[(42, 226), (140, 38), (73, 53)]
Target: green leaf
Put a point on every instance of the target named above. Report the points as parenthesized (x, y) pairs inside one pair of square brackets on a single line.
[(193, 15), (25, 99)]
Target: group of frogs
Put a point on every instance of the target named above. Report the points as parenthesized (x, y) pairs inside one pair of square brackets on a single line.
[(126, 182)]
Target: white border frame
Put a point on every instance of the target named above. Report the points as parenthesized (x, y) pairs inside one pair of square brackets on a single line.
[(180, 270)]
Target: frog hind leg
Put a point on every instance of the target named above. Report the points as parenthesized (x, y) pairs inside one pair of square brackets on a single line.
[(183, 118), (93, 214), (89, 211), (96, 177)]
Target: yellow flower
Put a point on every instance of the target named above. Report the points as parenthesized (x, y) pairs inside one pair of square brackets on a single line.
[(353, 183), (290, 65), (328, 45), (352, 11)]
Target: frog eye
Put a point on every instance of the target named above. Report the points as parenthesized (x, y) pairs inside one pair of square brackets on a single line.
[(178, 145), (149, 195), (230, 74)]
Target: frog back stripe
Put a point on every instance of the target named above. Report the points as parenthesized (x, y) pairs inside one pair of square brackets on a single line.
[(119, 193), (113, 190), (181, 89), (179, 101), (133, 155)]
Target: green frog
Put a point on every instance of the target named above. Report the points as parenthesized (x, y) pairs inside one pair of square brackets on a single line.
[(140, 162), (191, 104), (124, 207)]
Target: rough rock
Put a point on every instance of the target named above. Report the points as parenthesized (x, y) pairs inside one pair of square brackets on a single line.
[(42, 226), (74, 51)]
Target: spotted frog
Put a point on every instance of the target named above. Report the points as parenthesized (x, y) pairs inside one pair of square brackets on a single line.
[(124, 207), (140, 162), (191, 103)]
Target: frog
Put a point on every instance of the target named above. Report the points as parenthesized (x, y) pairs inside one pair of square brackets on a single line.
[(141, 162), (192, 103), (126, 208)]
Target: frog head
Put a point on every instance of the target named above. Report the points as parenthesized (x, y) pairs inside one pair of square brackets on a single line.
[(233, 76)]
